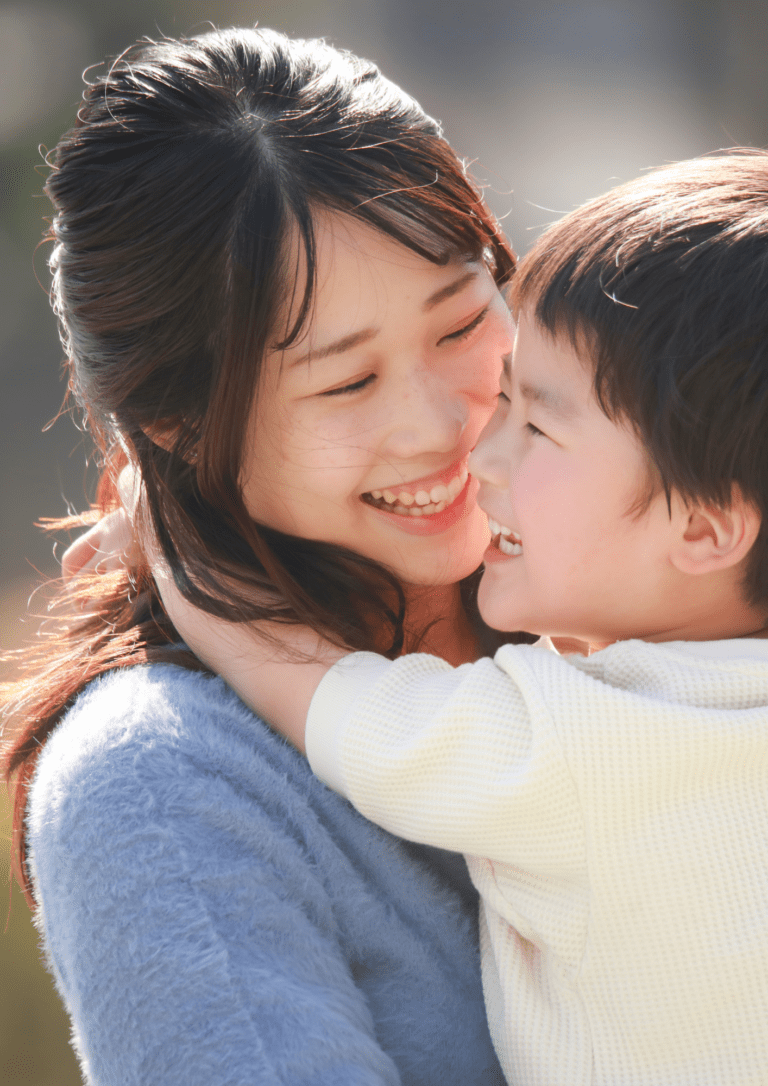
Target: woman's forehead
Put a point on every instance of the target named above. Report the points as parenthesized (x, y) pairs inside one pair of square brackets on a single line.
[(356, 270), (339, 236)]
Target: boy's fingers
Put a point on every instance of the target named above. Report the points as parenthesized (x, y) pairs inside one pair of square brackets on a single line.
[(129, 488), (81, 555), (107, 546)]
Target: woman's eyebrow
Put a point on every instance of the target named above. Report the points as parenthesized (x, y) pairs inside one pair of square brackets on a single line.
[(346, 343), (449, 290)]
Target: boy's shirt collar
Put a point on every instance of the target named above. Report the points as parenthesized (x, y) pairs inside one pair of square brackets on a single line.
[(728, 649)]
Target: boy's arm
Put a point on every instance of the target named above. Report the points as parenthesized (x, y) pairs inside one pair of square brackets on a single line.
[(277, 683), (461, 758), (465, 758), (264, 672)]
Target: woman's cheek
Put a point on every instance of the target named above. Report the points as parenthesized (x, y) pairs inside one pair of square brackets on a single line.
[(333, 432), (488, 361)]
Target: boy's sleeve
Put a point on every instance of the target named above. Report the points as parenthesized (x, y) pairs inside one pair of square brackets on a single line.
[(463, 758)]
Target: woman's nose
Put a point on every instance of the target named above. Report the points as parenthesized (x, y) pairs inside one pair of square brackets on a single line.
[(428, 417), (490, 459)]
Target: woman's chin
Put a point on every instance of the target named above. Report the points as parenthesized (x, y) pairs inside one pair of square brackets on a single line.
[(442, 563)]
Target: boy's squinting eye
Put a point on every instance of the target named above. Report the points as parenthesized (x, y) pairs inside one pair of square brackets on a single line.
[(461, 333), (356, 386)]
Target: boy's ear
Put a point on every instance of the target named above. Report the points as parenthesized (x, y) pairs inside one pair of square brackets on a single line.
[(714, 539)]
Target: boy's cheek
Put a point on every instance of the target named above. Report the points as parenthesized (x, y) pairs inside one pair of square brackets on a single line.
[(544, 482), (532, 491)]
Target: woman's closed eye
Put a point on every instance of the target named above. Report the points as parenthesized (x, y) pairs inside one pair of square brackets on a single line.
[(354, 386), (534, 431), (462, 333)]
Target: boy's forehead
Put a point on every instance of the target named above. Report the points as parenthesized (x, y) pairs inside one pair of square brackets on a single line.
[(548, 371)]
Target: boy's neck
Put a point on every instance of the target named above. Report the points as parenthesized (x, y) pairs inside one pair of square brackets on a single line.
[(708, 607), (713, 632)]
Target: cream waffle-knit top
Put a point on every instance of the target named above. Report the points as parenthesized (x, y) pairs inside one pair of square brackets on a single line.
[(614, 815)]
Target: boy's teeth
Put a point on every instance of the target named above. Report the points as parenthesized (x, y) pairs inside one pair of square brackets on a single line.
[(423, 503), (506, 540), (507, 547)]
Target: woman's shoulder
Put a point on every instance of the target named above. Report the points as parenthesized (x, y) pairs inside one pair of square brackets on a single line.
[(185, 855), (163, 754), (153, 737), (163, 703), (158, 759), (177, 844), (161, 707), (157, 773), (157, 703)]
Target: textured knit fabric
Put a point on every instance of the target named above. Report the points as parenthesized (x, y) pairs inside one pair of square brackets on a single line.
[(214, 915), (614, 810)]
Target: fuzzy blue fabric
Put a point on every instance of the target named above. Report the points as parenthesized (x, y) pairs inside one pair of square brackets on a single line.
[(213, 914)]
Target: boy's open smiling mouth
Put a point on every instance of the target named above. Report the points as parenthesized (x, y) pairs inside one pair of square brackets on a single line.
[(507, 541)]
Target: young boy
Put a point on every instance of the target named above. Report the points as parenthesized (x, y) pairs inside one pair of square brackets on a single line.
[(614, 806)]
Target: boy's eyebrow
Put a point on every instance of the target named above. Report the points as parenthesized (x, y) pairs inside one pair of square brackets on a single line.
[(549, 399)]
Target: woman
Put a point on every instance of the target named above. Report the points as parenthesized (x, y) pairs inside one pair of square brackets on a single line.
[(279, 298)]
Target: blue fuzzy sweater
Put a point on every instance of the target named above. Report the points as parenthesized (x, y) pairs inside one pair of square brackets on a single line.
[(213, 914)]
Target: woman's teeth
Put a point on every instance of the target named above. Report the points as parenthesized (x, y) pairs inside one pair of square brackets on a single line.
[(419, 503), (504, 538)]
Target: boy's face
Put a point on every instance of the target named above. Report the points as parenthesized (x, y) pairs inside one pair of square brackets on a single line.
[(564, 478)]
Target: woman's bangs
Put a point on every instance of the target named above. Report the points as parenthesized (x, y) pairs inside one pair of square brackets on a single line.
[(428, 231)]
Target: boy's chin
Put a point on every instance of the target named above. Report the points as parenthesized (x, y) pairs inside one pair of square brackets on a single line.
[(504, 623), (500, 611)]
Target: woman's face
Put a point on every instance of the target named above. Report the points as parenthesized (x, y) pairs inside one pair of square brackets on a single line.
[(362, 428)]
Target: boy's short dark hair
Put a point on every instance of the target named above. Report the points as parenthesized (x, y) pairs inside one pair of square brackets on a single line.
[(665, 281)]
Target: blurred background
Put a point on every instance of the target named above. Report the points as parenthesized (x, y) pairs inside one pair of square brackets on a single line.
[(553, 101)]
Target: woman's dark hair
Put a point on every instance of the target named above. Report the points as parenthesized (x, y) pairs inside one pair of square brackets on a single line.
[(189, 165), (663, 284)]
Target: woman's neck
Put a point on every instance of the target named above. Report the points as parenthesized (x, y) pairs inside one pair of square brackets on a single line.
[(438, 610)]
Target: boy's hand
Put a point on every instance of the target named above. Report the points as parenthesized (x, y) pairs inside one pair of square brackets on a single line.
[(107, 546), (111, 543), (276, 675)]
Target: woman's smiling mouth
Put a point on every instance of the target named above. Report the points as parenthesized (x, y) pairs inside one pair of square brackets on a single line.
[(415, 500)]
